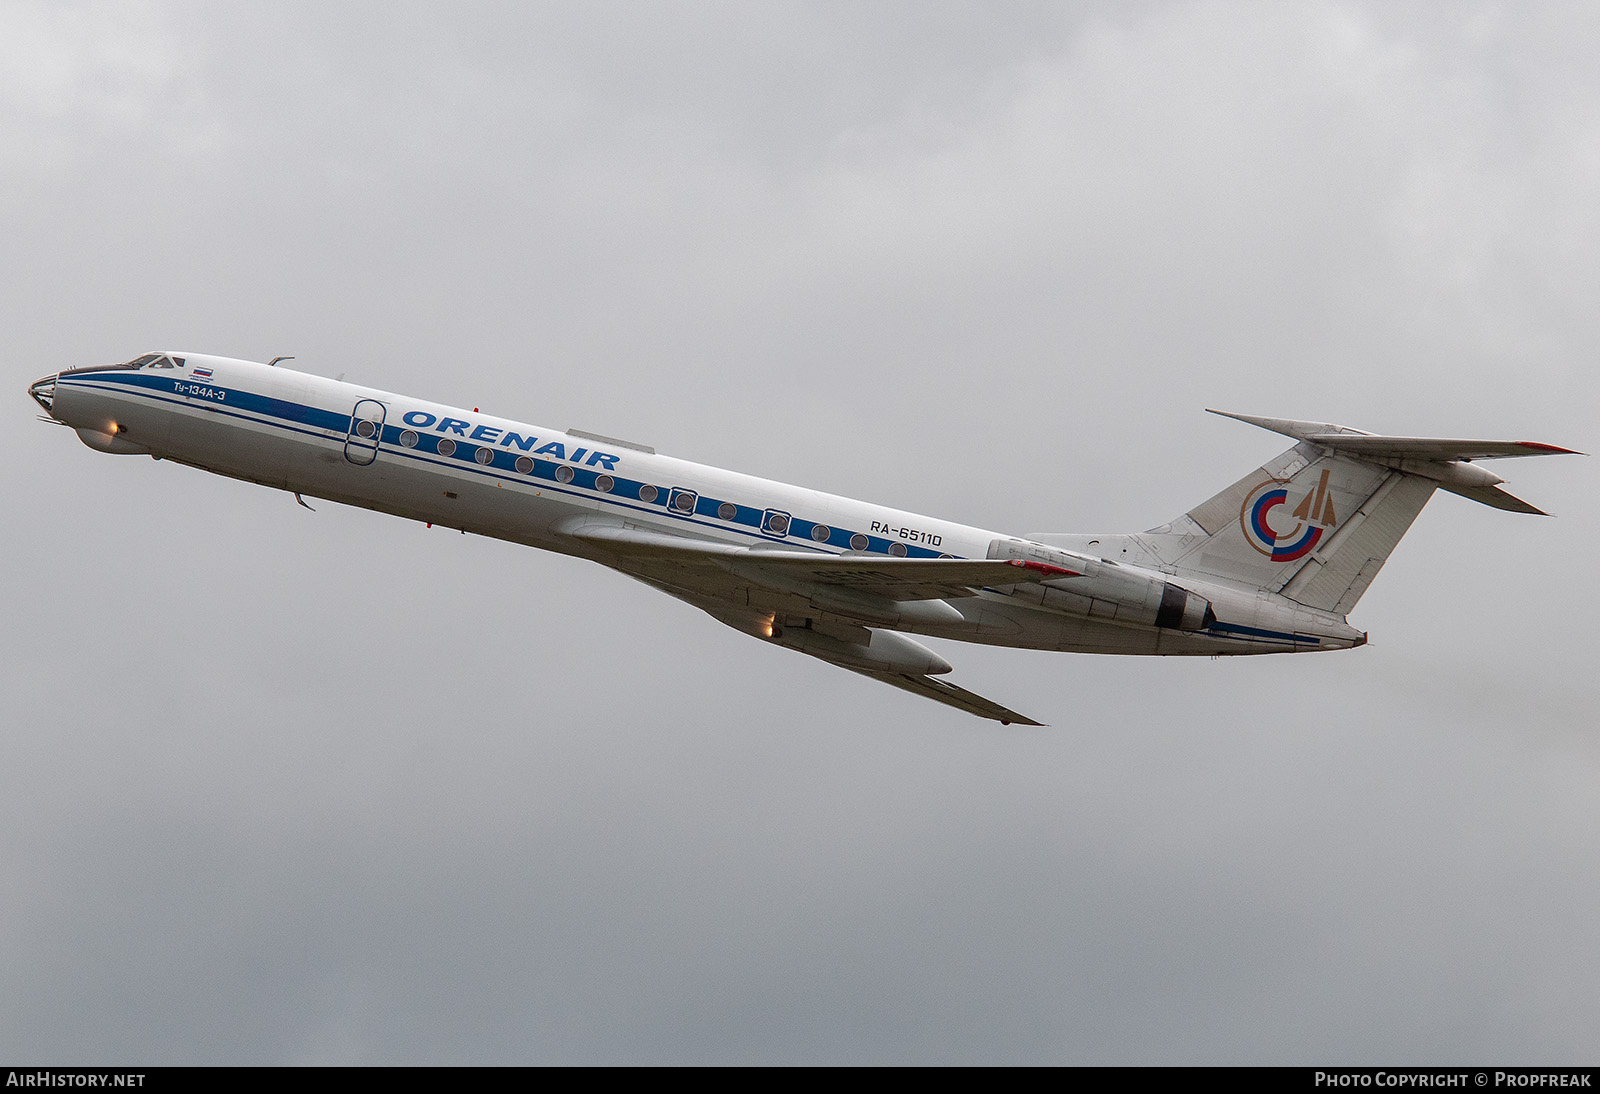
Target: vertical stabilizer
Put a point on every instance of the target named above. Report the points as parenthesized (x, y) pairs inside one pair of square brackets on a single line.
[(1311, 524), (1317, 522)]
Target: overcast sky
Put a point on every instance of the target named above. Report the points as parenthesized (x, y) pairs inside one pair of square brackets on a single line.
[(286, 787)]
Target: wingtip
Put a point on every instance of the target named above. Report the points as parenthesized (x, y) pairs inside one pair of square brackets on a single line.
[(1549, 449), (1288, 427)]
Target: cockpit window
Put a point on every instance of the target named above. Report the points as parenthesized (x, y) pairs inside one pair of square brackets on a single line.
[(149, 360), (154, 360)]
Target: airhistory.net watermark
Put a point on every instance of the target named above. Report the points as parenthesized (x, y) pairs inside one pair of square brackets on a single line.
[(53, 1077)]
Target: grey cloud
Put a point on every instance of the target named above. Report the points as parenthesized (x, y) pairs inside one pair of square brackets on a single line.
[(284, 787)]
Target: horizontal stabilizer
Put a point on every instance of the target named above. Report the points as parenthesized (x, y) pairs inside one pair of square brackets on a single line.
[(1448, 461), (1289, 427), (1493, 495), (1359, 443), (1434, 448)]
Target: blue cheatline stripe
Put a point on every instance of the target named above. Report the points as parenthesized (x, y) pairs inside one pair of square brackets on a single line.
[(221, 408), (1257, 632), (308, 421), (280, 409)]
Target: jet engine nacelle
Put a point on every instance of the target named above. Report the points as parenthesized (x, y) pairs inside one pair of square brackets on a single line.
[(1107, 590), (1136, 596), (1182, 610)]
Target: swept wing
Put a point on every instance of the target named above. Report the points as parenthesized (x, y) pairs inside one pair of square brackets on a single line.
[(819, 604)]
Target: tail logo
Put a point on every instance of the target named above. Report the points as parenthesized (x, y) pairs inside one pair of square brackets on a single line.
[(1265, 510)]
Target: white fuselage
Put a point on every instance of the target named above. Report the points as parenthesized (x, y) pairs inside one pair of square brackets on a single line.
[(496, 477)]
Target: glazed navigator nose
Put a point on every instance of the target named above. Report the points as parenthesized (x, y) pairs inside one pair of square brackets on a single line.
[(44, 392)]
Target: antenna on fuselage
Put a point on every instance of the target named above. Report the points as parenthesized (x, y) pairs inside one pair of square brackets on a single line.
[(301, 500), (275, 360)]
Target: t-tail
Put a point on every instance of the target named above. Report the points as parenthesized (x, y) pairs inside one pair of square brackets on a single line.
[(1318, 522)]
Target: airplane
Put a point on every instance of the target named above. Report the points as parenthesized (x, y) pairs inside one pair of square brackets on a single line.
[(1272, 564)]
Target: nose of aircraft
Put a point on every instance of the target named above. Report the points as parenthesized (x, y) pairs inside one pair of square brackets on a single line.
[(44, 392)]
